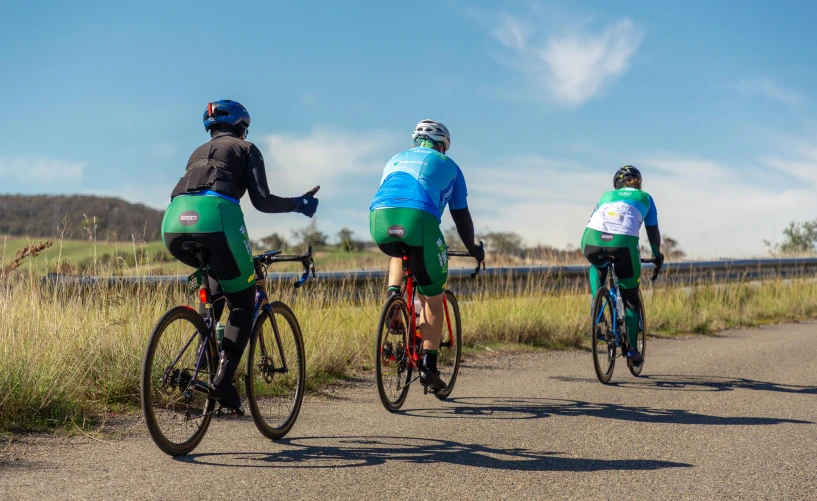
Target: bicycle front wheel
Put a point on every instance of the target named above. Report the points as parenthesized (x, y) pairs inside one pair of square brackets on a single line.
[(448, 361), (391, 359), (602, 339), (276, 371), (635, 369), (179, 363)]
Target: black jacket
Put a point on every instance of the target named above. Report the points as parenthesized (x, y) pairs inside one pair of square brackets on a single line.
[(232, 167)]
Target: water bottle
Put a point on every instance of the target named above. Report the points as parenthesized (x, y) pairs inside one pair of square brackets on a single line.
[(219, 334), (620, 307)]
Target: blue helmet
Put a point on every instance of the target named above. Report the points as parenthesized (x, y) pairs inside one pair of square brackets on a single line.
[(226, 112)]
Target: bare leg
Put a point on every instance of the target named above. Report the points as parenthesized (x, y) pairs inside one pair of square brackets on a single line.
[(395, 271), (431, 321)]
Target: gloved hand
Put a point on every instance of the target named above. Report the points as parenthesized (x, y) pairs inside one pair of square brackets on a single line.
[(478, 252), (307, 204), (659, 261)]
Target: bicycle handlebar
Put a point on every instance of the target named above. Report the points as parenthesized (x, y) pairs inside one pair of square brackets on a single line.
[(657, 268), (305, 259), (468, 254)]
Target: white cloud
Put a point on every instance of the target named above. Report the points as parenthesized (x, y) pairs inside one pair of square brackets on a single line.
[(579, 65), (511, 32), (38, 171), (770, 89), (567, 66)]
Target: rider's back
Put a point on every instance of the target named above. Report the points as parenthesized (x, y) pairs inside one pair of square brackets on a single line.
[(220, 164), (421, 178), (622, 211)]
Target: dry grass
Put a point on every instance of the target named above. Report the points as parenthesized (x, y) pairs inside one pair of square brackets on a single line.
[(74, 356)]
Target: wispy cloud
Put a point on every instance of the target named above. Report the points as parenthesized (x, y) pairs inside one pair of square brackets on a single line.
[(769, 88), (569, 65), (40, 170)]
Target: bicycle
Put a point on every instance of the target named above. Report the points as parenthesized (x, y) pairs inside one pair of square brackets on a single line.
[(398, 354), (181, 359), (607, 317)]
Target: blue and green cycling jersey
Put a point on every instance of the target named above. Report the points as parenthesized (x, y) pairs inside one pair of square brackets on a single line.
[(421, 178)]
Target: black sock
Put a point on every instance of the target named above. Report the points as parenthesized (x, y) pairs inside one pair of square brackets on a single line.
[(430, 360)]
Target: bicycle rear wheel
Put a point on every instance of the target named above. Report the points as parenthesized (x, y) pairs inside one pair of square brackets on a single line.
[(175, 401), (448, 361), (276, 371), (635, 369), (392, 366), (603, 342)]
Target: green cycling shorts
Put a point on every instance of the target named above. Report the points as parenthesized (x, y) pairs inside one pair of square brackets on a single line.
[(217, 224), (624, 248), (393, 229)]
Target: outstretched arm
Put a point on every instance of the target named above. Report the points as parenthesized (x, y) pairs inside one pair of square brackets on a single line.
[(257, 186)]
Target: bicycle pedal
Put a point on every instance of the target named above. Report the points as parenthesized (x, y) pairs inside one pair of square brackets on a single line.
[(227, 411)]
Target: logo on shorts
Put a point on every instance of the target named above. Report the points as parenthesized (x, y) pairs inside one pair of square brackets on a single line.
[(397, 231), (606, 237), (189, 217)]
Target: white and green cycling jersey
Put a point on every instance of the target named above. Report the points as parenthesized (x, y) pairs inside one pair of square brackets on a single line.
[(621, 212)]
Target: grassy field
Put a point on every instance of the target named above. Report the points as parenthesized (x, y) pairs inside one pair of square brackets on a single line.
[(72, 358)]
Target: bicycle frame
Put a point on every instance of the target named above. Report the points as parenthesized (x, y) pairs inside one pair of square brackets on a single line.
[(614, 293), (261, 302)]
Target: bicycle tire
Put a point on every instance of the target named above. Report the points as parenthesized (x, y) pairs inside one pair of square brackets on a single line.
[(256, 371), (635, 369), (450, 356), (149, 398), (603, 350), (389, 353)]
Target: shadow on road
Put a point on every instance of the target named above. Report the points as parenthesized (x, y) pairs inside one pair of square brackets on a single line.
[(348, 452), (534, 408), (680, 382)]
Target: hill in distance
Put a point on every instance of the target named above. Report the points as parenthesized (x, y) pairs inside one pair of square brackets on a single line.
[(44, 216)]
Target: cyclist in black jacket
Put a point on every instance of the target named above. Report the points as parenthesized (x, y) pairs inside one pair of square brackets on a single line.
[(205, 208)]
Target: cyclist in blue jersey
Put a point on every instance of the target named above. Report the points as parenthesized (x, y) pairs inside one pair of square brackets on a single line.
[(406, 213)]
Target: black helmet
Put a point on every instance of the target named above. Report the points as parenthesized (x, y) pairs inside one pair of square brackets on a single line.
[(624, 174)]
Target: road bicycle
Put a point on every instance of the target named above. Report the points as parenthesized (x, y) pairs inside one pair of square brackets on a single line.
[(608, 330), (399, 344), (181, 359)]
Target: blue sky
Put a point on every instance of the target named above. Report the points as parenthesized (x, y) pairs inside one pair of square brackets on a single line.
[(714, 101)]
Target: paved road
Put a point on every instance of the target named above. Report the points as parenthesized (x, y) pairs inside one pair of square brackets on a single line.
[(728, 417)]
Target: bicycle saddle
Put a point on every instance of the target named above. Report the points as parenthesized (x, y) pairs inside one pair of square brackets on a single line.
[(193, 247)]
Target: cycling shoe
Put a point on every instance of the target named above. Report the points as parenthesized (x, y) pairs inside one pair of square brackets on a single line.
[(634, 356), (227, 396), (432, 380)]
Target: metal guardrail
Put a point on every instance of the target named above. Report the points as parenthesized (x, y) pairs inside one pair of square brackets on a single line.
[(673, 273)]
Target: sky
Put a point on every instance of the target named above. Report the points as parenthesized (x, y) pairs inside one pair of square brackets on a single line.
[(713, 101)]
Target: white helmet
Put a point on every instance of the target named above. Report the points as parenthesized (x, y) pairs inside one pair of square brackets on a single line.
[(433, 130)]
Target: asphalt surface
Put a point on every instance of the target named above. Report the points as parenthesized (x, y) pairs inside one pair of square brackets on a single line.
[(727, 417)]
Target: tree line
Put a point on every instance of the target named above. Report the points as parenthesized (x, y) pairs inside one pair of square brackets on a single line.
[(78, 217)]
